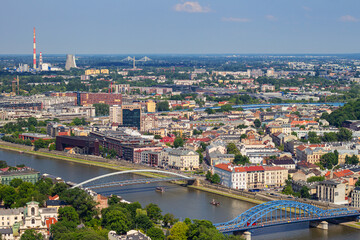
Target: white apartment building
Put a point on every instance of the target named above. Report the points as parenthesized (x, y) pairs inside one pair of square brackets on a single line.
[(115, 113), (231, 176), (355, 197), (183, 159), (251, 177)]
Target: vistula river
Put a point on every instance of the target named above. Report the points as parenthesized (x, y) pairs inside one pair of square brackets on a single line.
[(181, 201)]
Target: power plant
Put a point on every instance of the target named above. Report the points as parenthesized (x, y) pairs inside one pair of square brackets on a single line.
[(70, 62), (34, 52)]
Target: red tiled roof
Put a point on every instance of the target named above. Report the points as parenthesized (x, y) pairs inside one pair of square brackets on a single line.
[(273, 168), (56, 197), (341, 173), (226, 167), (167, 140), (254, 168)]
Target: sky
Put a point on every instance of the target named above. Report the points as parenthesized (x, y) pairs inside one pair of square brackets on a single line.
[(180, 26)]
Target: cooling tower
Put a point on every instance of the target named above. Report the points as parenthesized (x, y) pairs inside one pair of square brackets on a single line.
[(70, 62)]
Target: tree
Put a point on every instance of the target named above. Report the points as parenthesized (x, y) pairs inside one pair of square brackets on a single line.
[(208, 176), (142, 221), (304, 192), (241, 126), (179, 231), (329, 137), (101, 109), (32, 122), (116, 219), (157, 137), (315, 179), (226, 108), (241, 160), (154, 212), (155, 233), (257, 123), (31, 234), (16, 182), (232, 149), (353, 160), (162, 106), (344, 135), (169, 220), (294, 134), (243, 136), (113, 200), (329, 160), (3, 164), (81, 201), (68, 214), (76, 121), (178, 142), (215, 178), (59, 188), (210, 111), (40, 143)]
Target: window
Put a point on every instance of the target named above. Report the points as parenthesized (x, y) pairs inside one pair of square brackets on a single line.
[(32, 211), (32, 221)]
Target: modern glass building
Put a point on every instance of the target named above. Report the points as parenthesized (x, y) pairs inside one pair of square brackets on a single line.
[(131, 116)]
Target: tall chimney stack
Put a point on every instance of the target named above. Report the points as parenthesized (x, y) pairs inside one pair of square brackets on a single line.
[(34, 56), (40, 59)]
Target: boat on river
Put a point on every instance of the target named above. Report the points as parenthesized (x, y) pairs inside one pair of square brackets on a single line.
[(215, 203), (160, 189)]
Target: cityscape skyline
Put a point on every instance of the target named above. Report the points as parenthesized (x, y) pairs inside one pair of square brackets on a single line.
[(181, 27)]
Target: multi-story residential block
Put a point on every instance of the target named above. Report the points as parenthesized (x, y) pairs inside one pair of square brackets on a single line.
[(231, 176), (151, 106), (255, 177), (115, 114), (182, 159), (275, 176), (26, 174), (331, 191), (311, 152), (355, 197)]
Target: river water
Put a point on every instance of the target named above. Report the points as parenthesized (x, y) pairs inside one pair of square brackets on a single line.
[(181, 201)]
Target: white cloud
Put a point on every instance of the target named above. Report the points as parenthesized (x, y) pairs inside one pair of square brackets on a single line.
[(271, 18), (191, 7), (348, 18), (307, 9), (232, 19)]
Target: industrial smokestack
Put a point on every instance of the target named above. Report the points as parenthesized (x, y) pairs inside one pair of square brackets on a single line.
[(40, 59), (34, 56)]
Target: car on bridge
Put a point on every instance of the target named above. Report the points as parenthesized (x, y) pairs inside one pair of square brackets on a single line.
[(248, 224)]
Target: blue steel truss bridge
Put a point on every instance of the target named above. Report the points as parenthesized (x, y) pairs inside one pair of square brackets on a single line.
[(162, 176), (282, 212)]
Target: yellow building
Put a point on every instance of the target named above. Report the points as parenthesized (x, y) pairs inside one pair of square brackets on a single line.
[(96, 71), (150, 106), (104, 71)]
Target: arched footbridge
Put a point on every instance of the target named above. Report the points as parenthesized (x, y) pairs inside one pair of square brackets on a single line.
[(161, 176), (281, 212)]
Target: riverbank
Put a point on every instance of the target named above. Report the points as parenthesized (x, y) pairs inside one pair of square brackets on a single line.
[(95, 162), (230, 195)]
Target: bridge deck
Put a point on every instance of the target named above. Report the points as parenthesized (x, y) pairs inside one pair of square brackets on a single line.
[(137, 181)]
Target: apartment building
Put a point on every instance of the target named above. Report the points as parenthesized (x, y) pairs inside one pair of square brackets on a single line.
[(183, 159)]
